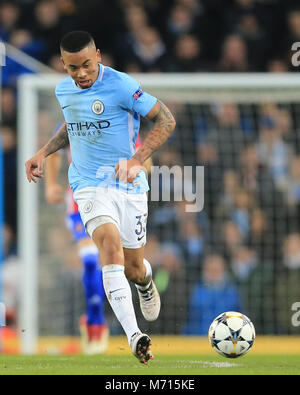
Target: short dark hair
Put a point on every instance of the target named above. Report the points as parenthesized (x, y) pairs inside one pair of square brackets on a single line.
[(75, 41)]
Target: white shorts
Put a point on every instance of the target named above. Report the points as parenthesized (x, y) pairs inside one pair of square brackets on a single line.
[(129, 212)]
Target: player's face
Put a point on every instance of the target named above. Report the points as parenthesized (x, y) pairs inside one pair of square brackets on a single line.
[(82, 66)]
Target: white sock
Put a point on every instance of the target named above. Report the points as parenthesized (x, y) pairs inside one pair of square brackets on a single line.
[(119, 295), (148, 275)]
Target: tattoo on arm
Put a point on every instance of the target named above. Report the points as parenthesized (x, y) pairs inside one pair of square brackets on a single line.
[(164, 125), (60, 140)]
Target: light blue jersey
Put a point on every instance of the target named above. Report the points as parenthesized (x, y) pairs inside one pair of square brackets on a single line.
[(103, 122)]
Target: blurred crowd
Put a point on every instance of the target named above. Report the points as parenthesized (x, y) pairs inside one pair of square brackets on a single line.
[(158, 36), (242, 252)]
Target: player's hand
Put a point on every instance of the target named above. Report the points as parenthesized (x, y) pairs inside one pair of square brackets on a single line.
[(35, 167), (128, 170), (54, 193)]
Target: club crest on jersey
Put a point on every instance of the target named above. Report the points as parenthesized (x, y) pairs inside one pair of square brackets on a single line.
[(138, 93), (98, 107), (88, 207)]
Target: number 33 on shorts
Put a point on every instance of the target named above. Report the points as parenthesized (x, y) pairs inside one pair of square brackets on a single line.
[(141, 223)]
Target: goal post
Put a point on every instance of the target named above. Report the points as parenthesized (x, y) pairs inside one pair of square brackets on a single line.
[(28, 249), (193, 93)]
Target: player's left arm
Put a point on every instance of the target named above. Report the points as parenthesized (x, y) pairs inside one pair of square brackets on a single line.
[(164, 125)]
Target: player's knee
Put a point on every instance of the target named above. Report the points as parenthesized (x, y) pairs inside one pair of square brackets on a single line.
[(109, 245), (113, 256), (112, 253)]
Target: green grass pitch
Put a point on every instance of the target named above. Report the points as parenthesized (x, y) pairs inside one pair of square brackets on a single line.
[(251, 364)]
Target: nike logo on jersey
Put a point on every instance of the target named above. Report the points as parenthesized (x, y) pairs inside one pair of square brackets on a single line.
[(66, 107), (140, 238)]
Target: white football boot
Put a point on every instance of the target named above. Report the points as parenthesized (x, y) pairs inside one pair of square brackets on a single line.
[(140, 346), (150, 302)]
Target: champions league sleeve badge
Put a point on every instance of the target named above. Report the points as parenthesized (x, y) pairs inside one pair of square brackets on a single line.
[(138, 93)]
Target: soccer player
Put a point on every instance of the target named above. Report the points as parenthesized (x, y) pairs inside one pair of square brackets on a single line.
[(102, 109), (93, 328)]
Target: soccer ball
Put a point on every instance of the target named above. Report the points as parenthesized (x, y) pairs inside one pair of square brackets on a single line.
[(231, 334)]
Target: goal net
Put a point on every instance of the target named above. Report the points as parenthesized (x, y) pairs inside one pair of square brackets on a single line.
[(240, 252)]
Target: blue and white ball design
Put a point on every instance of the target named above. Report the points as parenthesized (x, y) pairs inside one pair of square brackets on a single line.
[(231, 334)]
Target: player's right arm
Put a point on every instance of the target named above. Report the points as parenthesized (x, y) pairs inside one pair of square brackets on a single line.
[(35, 165)]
